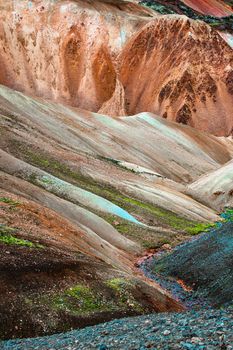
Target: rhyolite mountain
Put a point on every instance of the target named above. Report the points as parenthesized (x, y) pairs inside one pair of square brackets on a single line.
[(118, 58), (110, 123)]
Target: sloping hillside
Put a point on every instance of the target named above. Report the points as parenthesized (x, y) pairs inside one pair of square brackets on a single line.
[(181, 75), (74, 199), (215, 188)]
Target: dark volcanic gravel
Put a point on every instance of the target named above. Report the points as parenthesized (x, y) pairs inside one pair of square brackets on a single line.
[(189, 298), (204, 262), (209, 329)]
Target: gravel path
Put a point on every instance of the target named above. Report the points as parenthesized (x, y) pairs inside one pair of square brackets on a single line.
[(209, 329)]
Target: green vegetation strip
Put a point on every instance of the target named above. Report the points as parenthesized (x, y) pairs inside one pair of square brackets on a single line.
[(78, 300), (6, 237), (122, 288), (150, 214), (9, 201), (134, 206)]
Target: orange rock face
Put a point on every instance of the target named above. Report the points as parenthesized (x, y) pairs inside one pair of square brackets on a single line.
[(65, 50), (118, 58), (181, 70)]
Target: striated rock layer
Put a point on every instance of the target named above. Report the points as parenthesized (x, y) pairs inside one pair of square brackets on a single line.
[(210, 7), (118, 58)]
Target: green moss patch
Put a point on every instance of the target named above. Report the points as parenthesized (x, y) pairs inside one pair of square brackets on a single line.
[(147, 237), (123, 290), (83, 300), (198, 228), (78, 300), (9, 201), (166, 217), (60, 170), (7, 237), (227, 215)]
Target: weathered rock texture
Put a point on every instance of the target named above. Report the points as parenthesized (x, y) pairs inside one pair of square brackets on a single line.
[(118, 58), (66, 50), (176, 68)]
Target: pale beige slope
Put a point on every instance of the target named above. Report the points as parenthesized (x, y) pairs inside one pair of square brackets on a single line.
[(157, 194), (215, 189), (175, 151), (66, 190), (170, 199)]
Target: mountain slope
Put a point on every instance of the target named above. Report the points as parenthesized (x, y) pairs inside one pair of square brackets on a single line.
[(205, 264), (58, 56), (55, 122)]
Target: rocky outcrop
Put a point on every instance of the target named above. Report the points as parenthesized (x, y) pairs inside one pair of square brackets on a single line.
[(174, 67)]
